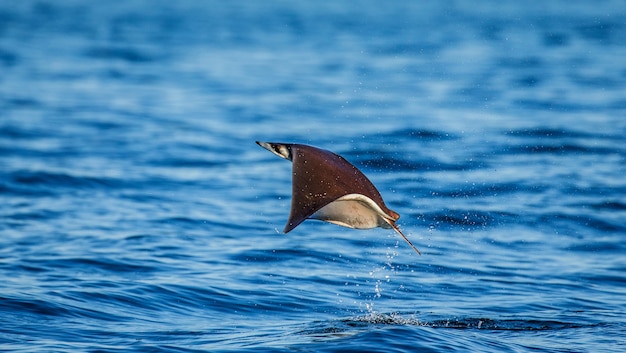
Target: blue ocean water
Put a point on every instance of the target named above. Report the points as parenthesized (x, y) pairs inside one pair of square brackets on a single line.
[(138, 214)]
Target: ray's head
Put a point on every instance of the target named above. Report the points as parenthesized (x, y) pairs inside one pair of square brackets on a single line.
[(282, 150)]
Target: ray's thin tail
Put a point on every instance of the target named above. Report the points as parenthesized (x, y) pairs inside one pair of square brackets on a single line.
[(395, 227)]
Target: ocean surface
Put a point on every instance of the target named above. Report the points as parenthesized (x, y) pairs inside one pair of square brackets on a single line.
[(137, 214)]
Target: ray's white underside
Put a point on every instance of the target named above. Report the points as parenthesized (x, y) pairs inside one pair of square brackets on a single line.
[(360, 212), (354, 211)]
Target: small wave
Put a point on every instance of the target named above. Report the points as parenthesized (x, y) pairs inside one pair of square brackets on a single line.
[(502, 325), (609, 205), (44, 179), (602, 32), (377, 160), (187, 162), (99, 265), (35, 307), (465, 218), (8, 58), (558, 149), (126, 54), (421, 134), (281, 255), (391, 163), (478, 190), (394, 319), (544, 133), (565, 221), (14, 132)]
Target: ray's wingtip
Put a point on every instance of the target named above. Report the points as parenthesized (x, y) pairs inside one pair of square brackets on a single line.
[(265, 145)]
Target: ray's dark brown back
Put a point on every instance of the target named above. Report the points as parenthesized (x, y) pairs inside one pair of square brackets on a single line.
[(319, 178)]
